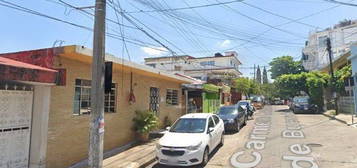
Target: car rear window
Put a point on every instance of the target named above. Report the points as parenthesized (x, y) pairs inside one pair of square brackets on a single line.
[(227, 110)]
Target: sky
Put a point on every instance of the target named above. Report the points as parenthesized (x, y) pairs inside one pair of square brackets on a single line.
[(258, 30)]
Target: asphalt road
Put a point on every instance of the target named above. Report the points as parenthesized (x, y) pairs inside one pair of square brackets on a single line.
[(277, 138)]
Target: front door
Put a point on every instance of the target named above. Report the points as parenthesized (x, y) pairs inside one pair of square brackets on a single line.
[(154, 100), (15, 121)]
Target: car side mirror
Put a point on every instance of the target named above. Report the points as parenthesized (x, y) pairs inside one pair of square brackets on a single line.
[(211, 129), (168, 128)]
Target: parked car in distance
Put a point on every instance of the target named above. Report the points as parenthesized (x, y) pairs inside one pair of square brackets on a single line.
[(258, 102), (248, 105), (190, 140), (234, 117), (277, 101), (302, 105)]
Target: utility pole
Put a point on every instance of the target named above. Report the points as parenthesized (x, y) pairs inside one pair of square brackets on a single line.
[(96, 133), (333, 89)]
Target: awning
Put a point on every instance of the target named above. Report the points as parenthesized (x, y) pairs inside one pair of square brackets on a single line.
[(20, 71), (211, 88)]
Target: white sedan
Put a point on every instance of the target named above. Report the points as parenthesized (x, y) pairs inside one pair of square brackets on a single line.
[(190, 140)]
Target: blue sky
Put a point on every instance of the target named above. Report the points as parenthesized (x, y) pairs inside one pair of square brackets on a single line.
[(196, 32)]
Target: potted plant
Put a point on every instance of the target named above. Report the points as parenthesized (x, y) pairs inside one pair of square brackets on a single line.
[(144, 122)]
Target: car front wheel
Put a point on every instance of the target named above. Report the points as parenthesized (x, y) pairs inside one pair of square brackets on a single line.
[(222, 140), (237, 126), (205, 157)]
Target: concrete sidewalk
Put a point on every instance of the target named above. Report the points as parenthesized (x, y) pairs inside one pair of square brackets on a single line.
[(342, 117), (135, 157)]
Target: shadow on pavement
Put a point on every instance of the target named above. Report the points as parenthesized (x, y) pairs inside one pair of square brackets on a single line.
[(157, 165), (283, 110), (300, 112), (230, 132)]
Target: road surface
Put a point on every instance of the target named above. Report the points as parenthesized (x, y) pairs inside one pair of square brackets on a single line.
[(277, 138)]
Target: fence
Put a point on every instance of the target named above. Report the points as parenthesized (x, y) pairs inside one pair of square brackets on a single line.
[(346, 104)]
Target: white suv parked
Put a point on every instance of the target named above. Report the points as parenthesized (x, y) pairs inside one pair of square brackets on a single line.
[(190, 140)]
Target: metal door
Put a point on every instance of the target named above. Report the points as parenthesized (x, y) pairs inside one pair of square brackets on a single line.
[(15, 122), (154, 100)]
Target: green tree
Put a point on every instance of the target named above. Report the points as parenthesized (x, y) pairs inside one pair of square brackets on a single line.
[(341, 75), (242, 85), (285, 65), (268, 90), (259, 76), (312, 83), (265, 76), (254, 87), (246, 86)]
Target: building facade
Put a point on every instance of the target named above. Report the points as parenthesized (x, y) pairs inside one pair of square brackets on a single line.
[(342, 35), (353, 59), (134, 87), (25, 90), (218, 67)]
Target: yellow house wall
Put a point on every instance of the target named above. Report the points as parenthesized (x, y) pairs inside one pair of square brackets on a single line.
[(68, 134)]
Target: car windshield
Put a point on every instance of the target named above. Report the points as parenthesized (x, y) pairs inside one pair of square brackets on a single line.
[(243, 103), (227, 110), (189, 125), (257, 99), (302, 100)]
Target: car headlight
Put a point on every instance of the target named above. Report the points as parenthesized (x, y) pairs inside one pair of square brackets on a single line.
[(194, 147), (230, 120), (158, 146)]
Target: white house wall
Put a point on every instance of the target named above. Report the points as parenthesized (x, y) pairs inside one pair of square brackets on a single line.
[(341, 39)]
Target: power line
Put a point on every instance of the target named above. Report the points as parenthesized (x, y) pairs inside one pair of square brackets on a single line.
[(184, 8), (65, 4), (205, 27), (275, 14), (261, 22), (30, 11), (197, 23), (342, 3), (301, 18), (122, 34), (144, 31), (187, 32)]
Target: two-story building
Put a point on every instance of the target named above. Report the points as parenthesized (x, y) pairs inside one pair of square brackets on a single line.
[(218, 67)]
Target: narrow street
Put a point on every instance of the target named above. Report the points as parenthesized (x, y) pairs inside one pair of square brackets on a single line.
[(281, 139)]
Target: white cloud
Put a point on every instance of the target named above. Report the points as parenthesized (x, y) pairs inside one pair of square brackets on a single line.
[(154, 51), (225, 43)]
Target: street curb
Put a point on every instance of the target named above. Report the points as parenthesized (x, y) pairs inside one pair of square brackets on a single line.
[(334, 118)]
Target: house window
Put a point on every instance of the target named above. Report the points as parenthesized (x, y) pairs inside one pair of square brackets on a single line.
[(206, 63), (171, 97), (322, 41), (82, 101), (152, 65), (178, 68)]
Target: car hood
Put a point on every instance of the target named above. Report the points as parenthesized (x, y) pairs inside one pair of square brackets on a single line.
[(173, 139), (228, 116)]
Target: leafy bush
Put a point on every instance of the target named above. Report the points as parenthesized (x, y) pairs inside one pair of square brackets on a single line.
[(340, 76), (145, 121), (312, 83)]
